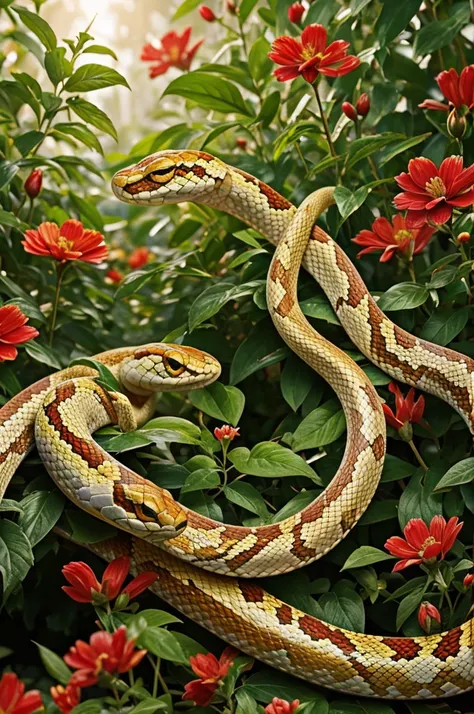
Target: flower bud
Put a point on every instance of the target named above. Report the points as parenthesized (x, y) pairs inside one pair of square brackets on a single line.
[(426, 614), (349, 110), (406, 432), (463, 237), (121, 602), (241, 143), (232, 8), (114, 275), (33, 183), (456, 124), (363, 105), (226, 432), (468, 580), (295, 12), (206, 13)]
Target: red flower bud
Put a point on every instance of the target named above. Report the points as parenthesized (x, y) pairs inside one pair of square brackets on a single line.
[(295, 12), (33, 183), (206, 13), (463, 237), (426, 614), (114, 275), (232, 8), (349, 110), (363, 105), (241, 143), (468, 580)]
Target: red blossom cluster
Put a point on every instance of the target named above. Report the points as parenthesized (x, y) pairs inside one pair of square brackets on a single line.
[(423, 544), (173, 51)]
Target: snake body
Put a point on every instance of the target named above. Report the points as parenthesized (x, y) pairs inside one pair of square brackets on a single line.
[(240, 611)]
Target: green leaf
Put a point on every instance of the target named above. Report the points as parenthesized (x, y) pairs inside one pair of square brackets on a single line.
[(163, 644), (90, 77), (402, 146), (245, 8), (54, 665), (296, 381), (42, 353), (133, 282), (38, 27), (322, 426), (99, 50), (343, 609), (365, 555), (220, 402), (90, 706), (8, 172), (209, 92), (462, 472), (16, 556), (83, 134), (57, 66), (348, 202), (320, 308), (26, 142), (200, 480), (259, 63), (185, 7), (362, 148), (269, 110), (86, 529), (409, 604), (92, 115), (418, 499), (154, 618), (260, 349), (390, 23), (265, 685), (270, 460), (106, 378), (148, 706), (8, 219), (172, 429), (379, 511), (435, 35), (245, 495), (213, 298), (404, 296), (88, 212), (41, 512), (444, 325)]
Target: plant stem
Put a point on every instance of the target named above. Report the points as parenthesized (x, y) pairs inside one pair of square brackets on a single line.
[(417, 454), (59, 277), (327, 131)]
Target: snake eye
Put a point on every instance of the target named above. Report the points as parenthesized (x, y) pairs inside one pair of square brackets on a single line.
[(173, 366), (148, 512), (162, 175)]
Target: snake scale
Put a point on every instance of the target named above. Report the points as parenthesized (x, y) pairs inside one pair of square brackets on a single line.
[(69, 406)]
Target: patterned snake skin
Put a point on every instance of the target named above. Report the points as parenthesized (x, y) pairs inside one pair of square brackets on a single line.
[(239, 611)]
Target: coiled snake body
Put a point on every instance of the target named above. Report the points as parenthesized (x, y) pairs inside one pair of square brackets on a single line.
[(240, 611)]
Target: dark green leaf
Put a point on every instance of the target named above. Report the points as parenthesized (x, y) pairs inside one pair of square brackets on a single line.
[(220, 402), (38, 26), (296, 381), (54, 665), (440, 33), (247, 496), (460, 473), (209, 92), (270, 460), (322, 426), (41, 512), (26, 142), (16, 556), (99, 50), (444, 325), (260, 349), (163, 644), (390, 23), (57, 66), (92, 115), (404, 296), (365, 555)]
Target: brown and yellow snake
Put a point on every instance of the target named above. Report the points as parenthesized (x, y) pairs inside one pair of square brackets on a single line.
[(239, 611)]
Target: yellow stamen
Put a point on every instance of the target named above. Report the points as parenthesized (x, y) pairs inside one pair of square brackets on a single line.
[(99, 661), (435, 187), (65, 243), (429, 541), (174, 53), (402, 235)]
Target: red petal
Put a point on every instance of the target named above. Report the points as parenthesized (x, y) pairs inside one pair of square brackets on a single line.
[(114, 576), (369, 238), (286, 51), (29, 703), (463, 200), (283, 74), (464, 181), (422, 238), (432, 551), (140, 584), (448, 82), (384, 229), (466, 85), (151, 53), (399, 547), (449, 171), (22, 334), (389, 253), (433, 104), (416, 219), (11, 691), (406, 182), (391, 418), (422, 170), (412, 201), (440, 214), (7, 352), (350, 63), (314, 37), (453, 528), (437, 527), (416, 532), (417, 411), (158, 69), (402, 564), (72, 230), (201, 694)]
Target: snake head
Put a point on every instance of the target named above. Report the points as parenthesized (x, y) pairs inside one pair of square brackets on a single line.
[(161, 367), (172, 177), (150, 512)]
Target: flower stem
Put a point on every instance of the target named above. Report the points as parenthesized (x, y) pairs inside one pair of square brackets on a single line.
[(327, 131), (411, 270), (59, 277), (417, 455)]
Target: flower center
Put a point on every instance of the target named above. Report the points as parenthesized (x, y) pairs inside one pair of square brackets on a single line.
[(65, 243), (99, 662), (174, 53), (429, 541), (308, 53), (435, 187), (402, 235)]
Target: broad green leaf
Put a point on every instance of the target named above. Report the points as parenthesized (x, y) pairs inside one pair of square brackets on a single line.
[(8, 172), (99, 50), (259, 64), (134, 281), (213, 298), (270, 460), (390, 23), (320, 308), (148, 706), (404, 296), (90, 706), (220, 402), (41, 512), (365, 555), (54, 665), (362, 148), (86, 529), (57, 66), (401, 147), (245, 495), (89, 214), (26, 142), (154, 618), (380, 511), (296, 381), (83, 134), (90, 77), (348, 202), (209, 92), (105, 375), (245, 8), (8, 219), (172, 429), (435, 35), (322, 426), (395, 469), (269, 109), (200, 480), (343, 609), (460, 473), (409, 604), (38, 27), (42, 353), (92, 115), (185, 7), (163, 644), (16, 556), (295, 505), (265, 685), (418, 499), (260, 349), (444, 325)]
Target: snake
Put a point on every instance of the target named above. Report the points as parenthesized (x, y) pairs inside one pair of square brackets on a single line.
[(237, 609)]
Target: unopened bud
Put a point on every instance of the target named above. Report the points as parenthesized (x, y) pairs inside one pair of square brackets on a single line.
[(241, 143), (206, 13), (463, 237), (456, 124), (121, 602), (349, 110), (295, 12), (232, 8), (33, 183), (363, 105)]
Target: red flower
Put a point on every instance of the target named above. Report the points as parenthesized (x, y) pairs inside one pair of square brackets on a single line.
[(458, 89), (310, 57), (430, 193), (106, 652), (363, 105), (33, 183), (295, 12), (468, 580), (66, 698), (13, 331), (174, 52), (426, 614), (84, 586), (392, 238), (422, 544), (139, 257), (70, 242), (281, 706), (206, 13), (114, 275), (226, 432), (211, 671), (406, 409), (13, 699)]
